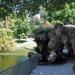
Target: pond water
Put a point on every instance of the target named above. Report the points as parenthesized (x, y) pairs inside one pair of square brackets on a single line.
[(7, 61), (61, 69)]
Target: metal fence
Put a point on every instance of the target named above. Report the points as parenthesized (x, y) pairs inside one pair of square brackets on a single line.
[(24, 68)]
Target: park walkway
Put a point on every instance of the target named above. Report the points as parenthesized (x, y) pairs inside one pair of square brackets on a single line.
[(30, 44), (63, 69)]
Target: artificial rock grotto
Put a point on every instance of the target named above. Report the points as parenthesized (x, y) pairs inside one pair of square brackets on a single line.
[(55, 44)]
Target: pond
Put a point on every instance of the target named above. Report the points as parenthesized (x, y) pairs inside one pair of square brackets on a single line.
[(7, 61), (61, 69)]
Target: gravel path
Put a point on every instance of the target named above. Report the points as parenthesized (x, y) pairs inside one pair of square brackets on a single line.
[(28, 44), (63, 69)]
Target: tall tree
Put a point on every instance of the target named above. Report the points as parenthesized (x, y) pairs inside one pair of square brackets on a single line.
[(21, 6)]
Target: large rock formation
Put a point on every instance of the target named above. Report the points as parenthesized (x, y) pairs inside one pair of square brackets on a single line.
[(55, 44)]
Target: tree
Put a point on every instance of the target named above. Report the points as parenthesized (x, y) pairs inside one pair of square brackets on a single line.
[(19, 26), (22, 6)]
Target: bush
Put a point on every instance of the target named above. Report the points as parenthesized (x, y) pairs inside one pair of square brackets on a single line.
[(65, 15), (19, 26), (6, 41), (55, 22)]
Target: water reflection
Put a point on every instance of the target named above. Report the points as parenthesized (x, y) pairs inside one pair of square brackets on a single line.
[(7, 61)]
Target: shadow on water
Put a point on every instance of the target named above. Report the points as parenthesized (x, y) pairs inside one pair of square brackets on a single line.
[(57, 63), (65, 68)]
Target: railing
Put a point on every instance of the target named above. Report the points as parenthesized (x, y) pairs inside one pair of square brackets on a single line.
[(24, 68)]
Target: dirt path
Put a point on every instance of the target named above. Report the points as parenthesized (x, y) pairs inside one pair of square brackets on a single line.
[(28, 44)]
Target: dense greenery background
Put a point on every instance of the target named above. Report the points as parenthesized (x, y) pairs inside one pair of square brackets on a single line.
[(14, 15)]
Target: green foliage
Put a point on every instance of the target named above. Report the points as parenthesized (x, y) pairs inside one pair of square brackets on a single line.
[(20, 26), (22, 6), (55, 22), (52, 8), (6, 41), (65, 15)]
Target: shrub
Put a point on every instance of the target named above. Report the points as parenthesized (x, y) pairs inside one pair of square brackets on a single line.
[(55, 22), (6, 41), (65, 15), (19, 26)]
